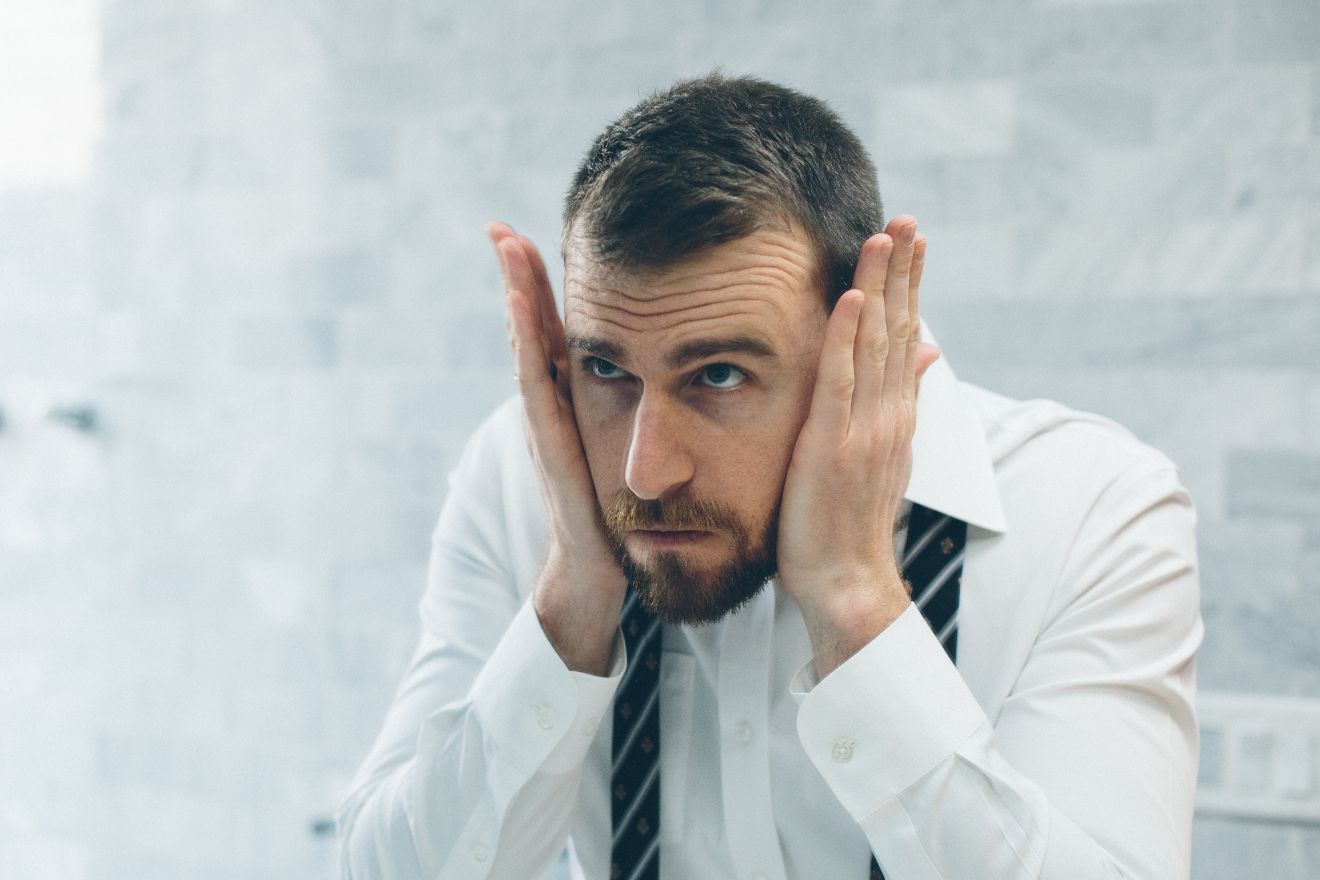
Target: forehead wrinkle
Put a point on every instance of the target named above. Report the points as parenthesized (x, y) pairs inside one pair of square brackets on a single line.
[(670, 326), (782, 258), (712, 304), (756, 276)]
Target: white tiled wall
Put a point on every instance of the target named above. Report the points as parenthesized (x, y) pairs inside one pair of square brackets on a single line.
[(275, 292)]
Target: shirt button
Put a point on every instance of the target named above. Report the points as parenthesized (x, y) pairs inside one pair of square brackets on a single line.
[(480, 852), (744, 732), (589, 726), (760, 877), (545, 716), (843, 750)]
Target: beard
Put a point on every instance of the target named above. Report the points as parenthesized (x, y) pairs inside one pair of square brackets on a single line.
[(671, 585)]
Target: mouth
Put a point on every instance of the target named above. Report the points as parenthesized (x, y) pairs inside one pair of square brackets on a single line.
[(662, 537)]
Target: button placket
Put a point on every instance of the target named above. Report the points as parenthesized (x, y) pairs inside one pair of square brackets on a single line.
[(744, 664)]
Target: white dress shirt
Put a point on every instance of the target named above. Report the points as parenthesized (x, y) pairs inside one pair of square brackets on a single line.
[(1062, 746)]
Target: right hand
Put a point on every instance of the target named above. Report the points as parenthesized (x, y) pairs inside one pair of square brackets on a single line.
[(579, 593)]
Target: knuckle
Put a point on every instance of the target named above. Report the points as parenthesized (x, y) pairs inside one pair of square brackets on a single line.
[(902, 329)]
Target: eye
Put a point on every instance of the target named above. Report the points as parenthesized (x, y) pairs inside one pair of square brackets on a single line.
[(722, 376), (602, 369)]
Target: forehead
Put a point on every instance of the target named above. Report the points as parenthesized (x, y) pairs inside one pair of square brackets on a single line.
[(763, 284)]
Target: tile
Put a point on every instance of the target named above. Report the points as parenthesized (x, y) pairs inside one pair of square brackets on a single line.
[(959, 119), (365, 153), (1270, 30), (1253, 254), (283, 344), (1274, 484), (1315, 98), (1089, 111), (1225, 849), (1282, 178), (1126, 36), (1260, 651), (371, 340), (969, 260), (380, 86), (337, 278), (1209, 333), (1308, 570), (1241, 105), (913, 186), (1250, 564)]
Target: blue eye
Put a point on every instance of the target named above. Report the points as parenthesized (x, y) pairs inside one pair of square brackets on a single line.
[(723, 376), (603, 369)]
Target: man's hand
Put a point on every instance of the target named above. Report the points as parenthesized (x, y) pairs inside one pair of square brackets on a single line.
[(579, 594), (853, 457)]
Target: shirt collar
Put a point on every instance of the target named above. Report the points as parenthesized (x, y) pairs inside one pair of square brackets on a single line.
[(951, 467)]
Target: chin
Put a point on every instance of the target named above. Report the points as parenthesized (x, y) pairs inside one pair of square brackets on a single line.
[(671, 590)]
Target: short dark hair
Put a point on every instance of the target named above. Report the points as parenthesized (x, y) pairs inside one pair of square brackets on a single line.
[(715, 158)]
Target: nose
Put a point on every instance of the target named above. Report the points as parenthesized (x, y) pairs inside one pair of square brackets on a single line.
[(658, 458)]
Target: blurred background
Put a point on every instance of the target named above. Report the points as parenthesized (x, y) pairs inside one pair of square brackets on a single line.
[(248, 317)]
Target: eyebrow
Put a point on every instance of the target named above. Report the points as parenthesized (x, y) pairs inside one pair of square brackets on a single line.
[(753, 346)]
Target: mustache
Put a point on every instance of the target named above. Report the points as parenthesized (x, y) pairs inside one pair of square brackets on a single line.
[(625, 511)]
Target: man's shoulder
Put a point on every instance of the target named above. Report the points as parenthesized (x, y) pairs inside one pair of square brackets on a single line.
[(1040, 431), (500, 432), (495, 459)]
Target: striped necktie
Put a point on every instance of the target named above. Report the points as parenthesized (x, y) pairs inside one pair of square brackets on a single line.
[(932, 565)]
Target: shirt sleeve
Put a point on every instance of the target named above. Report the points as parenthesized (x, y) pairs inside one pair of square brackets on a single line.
[(1090, 769), (485, 740)]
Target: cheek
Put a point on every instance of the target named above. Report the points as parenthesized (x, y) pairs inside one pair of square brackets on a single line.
[(605, 443), (755, 460)]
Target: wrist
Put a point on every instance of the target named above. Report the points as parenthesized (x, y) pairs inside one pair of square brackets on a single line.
[(842, 621), (579, 615)]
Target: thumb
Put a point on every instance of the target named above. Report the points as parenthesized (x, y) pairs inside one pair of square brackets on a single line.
[(927, 354)]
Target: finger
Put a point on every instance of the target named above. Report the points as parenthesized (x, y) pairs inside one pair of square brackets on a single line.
[(927, 355), (832, 397), (898, 320), (551, 322), (531, 360), (497, 230), (872, 343), (910, 368)]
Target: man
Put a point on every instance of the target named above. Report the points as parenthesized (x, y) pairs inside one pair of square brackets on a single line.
[(723, 447)]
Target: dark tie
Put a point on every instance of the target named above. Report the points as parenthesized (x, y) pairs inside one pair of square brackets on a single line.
[(635, 780), (932, 565)]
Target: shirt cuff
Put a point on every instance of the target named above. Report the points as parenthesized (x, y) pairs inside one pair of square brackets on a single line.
[(541, 715), (886, 716)]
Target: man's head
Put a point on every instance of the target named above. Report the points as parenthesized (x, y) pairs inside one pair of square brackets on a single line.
[(713, 159), (708, 232)]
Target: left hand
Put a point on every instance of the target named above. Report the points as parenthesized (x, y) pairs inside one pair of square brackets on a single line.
[(853, 457)]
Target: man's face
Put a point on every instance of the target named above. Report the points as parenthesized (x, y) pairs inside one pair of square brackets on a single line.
[(690, 385)]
